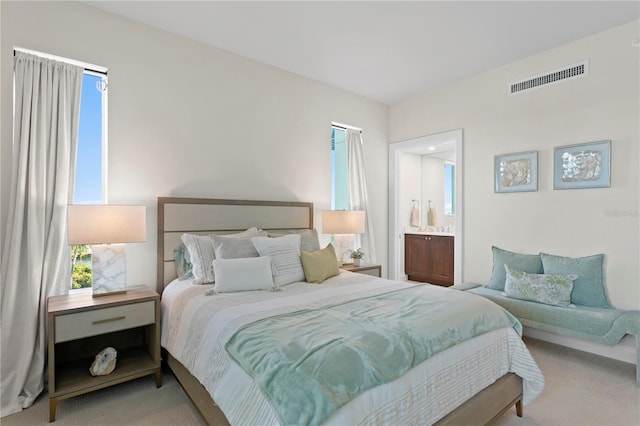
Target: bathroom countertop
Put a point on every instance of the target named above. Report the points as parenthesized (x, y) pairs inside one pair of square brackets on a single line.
[(435, 233)]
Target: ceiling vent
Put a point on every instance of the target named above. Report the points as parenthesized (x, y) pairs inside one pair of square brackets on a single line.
[(553, 77)]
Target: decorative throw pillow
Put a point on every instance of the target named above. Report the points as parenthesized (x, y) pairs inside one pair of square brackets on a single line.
[(285, 257), (243, 274), (308, 238), (182, 262), (588, 290), (548, 289), (530, 263), (320, 264), (233, 248)]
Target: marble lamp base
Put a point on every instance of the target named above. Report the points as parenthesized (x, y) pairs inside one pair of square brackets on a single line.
[(108, 269), (342, 244)]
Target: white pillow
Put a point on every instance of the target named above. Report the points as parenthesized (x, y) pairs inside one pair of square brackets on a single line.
[(244, 274), (285, 257)]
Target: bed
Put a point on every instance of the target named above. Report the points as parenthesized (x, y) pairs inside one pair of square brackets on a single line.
[(472, 382)]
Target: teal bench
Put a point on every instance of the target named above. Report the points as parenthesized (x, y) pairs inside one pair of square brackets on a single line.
[(601, 325)]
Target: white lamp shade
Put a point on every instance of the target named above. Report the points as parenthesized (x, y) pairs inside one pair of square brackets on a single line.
[(343, 222), (106, 224)]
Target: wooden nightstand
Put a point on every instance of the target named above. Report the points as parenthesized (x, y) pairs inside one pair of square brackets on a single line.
[(375, 270), (80, 326)]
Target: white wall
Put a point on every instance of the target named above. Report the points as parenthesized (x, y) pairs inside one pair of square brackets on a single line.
[(603, 105), (186, 119)]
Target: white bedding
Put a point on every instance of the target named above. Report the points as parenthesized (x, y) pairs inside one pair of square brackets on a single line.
[(195, 328)]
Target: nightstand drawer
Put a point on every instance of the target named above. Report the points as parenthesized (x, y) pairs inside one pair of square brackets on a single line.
[(100, 321)]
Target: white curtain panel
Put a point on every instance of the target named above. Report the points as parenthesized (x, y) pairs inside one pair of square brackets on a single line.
[(36, 257), (358, 198)]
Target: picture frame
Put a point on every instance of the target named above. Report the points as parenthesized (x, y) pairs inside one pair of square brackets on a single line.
[(516, 172), (586, 165)]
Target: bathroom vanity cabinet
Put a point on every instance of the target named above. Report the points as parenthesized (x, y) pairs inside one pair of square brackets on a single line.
[(429, 258)]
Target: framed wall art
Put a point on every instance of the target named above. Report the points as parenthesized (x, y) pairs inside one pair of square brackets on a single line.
[(586, 165), (516, 172)]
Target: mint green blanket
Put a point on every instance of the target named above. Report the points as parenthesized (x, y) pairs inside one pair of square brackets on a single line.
[(311, 362)]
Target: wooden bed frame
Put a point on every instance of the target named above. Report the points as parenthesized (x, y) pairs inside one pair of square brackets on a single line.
[(202, 216)]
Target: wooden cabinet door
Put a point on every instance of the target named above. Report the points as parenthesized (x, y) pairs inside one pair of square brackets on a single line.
[(429, 258), (416, 257), (441, 255)]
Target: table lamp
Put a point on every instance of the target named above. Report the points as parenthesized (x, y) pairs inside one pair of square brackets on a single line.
[(342, 225), (106, 228)]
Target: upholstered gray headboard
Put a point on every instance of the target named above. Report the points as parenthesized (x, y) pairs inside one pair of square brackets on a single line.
[(206, 215)]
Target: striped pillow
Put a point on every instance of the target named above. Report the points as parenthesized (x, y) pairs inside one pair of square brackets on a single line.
[(285, 257), (202, 253), (308, 238)]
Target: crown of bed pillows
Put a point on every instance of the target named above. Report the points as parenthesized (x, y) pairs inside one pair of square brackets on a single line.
[(292, 256)]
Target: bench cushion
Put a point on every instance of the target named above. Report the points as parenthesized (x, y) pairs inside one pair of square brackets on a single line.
[(601, 325), (578, 321)]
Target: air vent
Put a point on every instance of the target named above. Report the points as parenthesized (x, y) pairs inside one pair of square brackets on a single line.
[(553, 77)]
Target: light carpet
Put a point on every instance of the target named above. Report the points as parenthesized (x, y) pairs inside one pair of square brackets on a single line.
[(581, 389)]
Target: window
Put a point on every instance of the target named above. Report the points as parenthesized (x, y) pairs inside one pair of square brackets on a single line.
[(89, 183), (449, 189), (90, 177), (339, 174)]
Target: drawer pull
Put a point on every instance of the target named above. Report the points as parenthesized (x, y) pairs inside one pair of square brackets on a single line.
[(102, 321)]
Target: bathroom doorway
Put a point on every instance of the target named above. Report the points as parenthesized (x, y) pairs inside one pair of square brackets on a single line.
[(440, 144)]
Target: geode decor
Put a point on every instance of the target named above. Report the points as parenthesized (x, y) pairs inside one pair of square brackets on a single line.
[(104, 363)]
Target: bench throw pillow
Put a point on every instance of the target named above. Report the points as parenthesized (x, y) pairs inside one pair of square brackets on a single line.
[(548, 289), (588, 290), (530, 263)]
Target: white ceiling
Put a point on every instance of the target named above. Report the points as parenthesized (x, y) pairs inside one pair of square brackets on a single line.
[(383, 50)]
